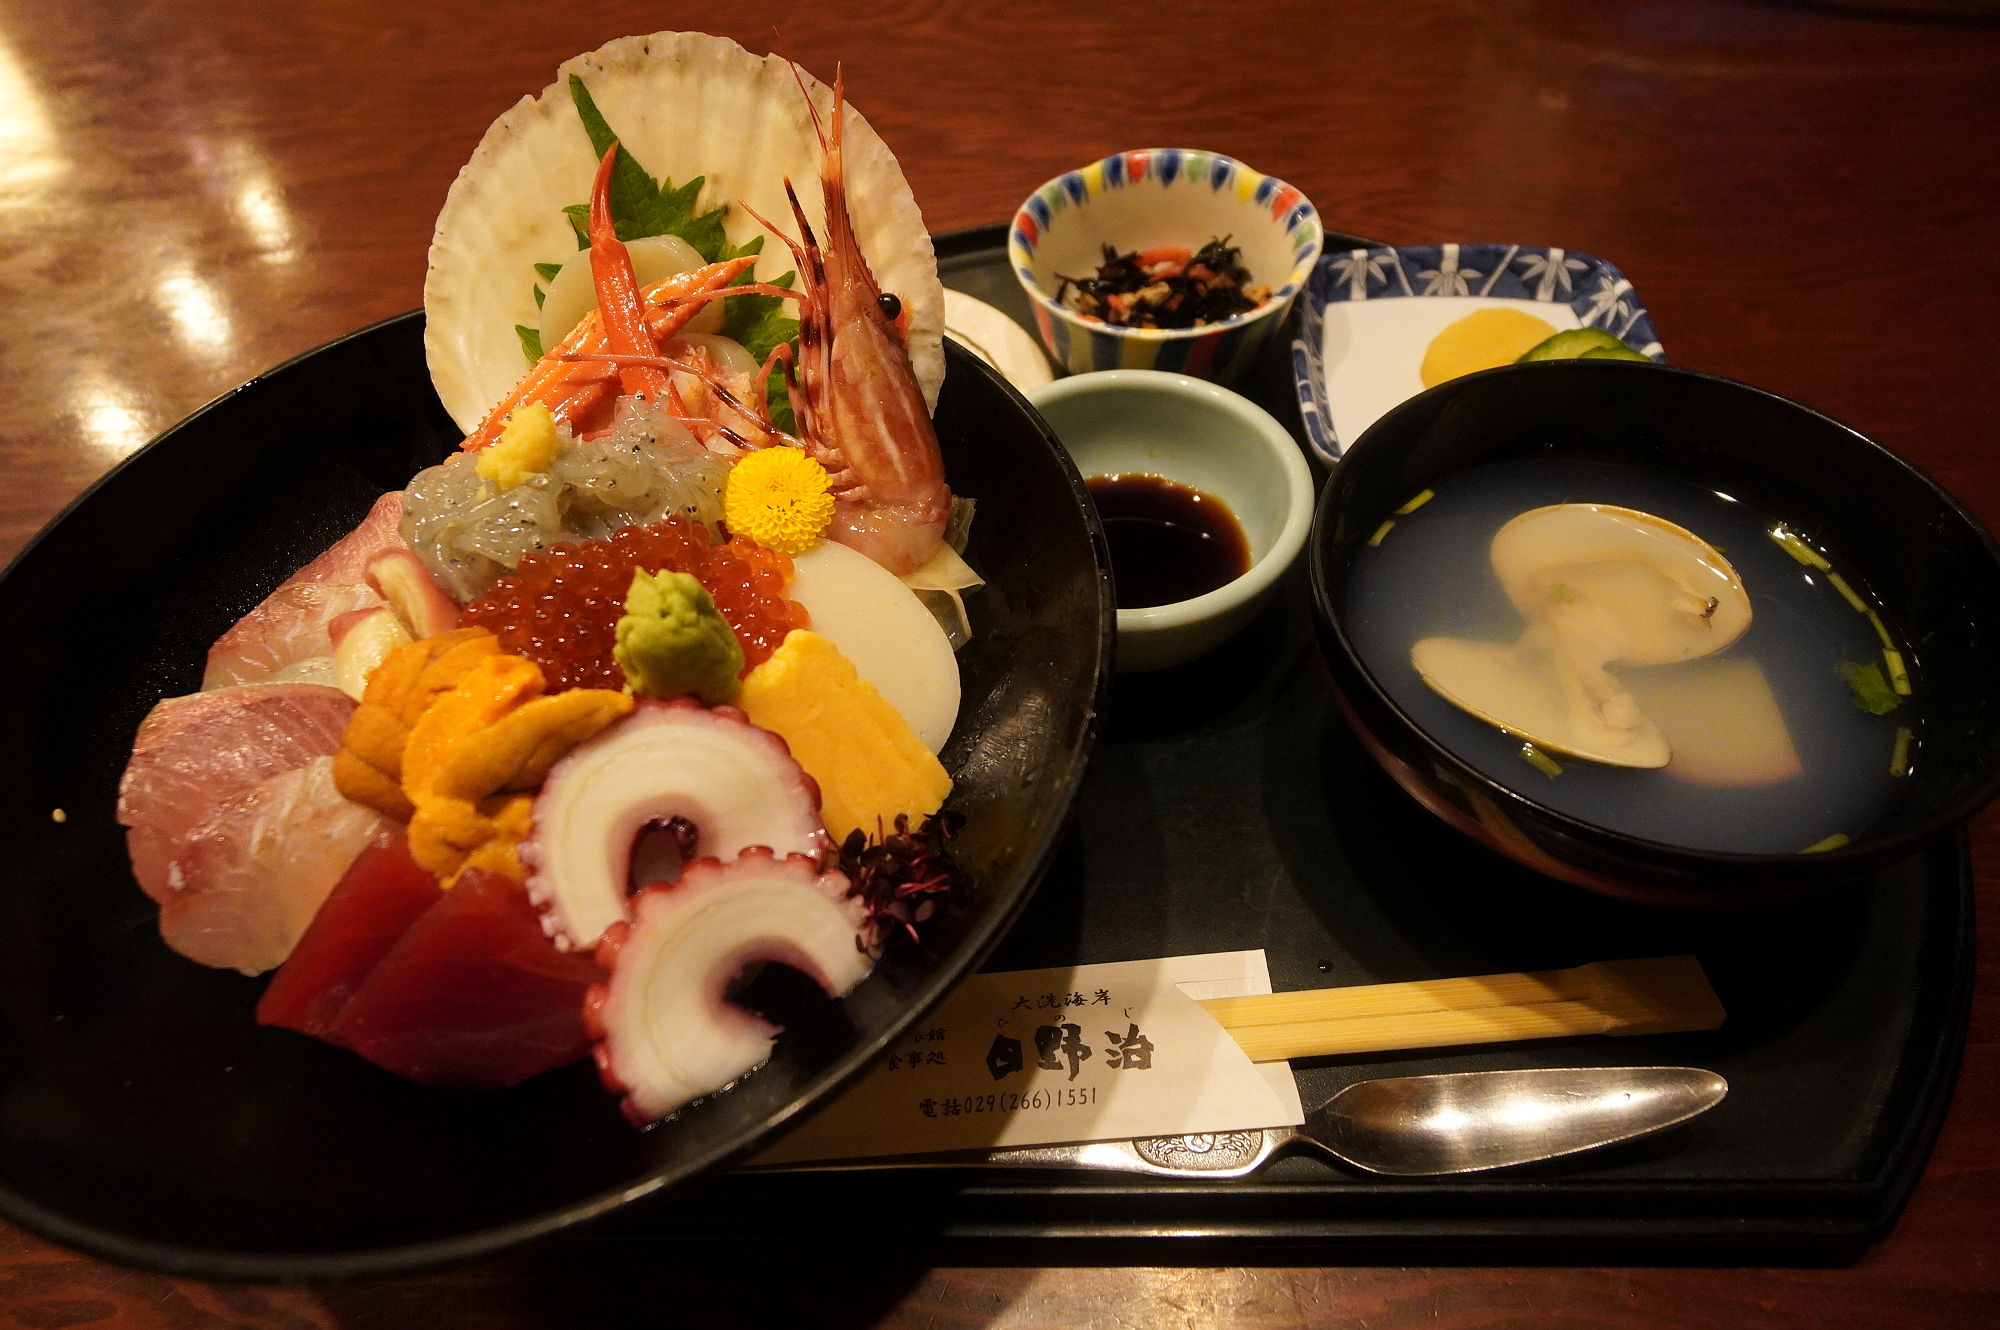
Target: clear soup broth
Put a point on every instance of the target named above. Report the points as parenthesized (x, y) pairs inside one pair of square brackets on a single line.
[(1773, 752)]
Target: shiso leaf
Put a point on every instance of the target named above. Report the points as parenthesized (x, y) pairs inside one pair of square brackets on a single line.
[(642, 207), (1872, 692), (761, 325), (531, 341), (703, 231), (778, 401)]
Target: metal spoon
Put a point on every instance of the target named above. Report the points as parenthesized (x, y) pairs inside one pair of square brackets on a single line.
[(1409, 1126)]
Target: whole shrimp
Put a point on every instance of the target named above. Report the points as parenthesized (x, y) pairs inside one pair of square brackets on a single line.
[(861, 413)]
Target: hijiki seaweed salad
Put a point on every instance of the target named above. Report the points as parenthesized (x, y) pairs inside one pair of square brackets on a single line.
[(646, 682), (1166, 286)]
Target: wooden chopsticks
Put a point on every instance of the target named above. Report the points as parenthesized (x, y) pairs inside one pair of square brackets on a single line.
[(1651, 996)]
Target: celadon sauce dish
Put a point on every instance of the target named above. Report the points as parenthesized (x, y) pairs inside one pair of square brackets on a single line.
[(1205, 437)]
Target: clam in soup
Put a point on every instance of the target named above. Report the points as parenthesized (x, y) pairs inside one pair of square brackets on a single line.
[(1638, 652)]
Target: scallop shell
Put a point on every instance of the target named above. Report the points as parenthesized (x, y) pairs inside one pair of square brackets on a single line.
[(685, 104)]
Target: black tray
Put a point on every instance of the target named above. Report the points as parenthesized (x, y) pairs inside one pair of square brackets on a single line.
[(1229, 807)]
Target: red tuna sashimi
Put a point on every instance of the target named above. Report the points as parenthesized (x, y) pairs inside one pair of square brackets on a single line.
[(245, 881), (474, 995), (382, 893), (290, 625), (196, 752)]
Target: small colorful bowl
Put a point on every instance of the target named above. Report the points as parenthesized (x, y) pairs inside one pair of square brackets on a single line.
[(1203, 436), (1162, 196)]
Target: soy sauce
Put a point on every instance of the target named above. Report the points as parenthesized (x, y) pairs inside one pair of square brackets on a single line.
[(1168, 541)]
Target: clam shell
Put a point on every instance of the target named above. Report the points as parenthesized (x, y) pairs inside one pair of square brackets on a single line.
[(685, 104)]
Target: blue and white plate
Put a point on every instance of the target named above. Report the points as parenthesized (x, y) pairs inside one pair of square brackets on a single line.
[(1366, 317)]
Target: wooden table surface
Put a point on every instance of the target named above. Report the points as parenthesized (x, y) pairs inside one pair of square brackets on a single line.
[(191, 194)]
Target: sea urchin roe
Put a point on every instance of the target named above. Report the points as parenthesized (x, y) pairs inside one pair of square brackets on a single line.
[(561, 607), (1165, 287)]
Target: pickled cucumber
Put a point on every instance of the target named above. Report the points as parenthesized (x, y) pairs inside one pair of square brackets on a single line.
[(1571, 344)]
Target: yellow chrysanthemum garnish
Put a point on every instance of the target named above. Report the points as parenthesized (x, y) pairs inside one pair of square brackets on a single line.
[(778, 497)]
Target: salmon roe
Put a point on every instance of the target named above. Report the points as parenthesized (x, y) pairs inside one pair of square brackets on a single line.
[(560, 607)]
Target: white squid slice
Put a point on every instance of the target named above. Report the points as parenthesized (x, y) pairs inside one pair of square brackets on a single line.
[(685, 104), (737, 785), (668, 1034)]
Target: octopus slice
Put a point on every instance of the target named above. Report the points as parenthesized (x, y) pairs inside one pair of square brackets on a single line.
[(667, 1032), (668, 764)]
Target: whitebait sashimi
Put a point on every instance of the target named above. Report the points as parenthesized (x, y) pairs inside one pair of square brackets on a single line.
[(647, 468)]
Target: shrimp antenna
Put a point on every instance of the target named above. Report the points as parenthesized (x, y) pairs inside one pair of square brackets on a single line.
[(780, 49), (806, 237)]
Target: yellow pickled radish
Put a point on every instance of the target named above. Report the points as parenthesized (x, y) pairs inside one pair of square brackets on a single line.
[(1484, 339)]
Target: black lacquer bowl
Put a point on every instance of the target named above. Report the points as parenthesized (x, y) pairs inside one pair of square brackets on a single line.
[(145, 1117), (1909, 547)]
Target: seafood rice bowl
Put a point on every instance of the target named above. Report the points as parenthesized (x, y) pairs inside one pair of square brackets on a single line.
[(642, 688)]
